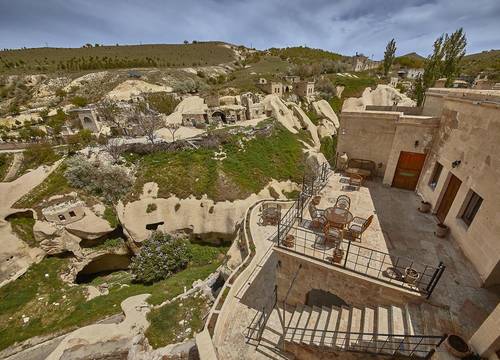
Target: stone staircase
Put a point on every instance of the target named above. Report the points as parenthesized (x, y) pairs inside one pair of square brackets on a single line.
[(382, 329)]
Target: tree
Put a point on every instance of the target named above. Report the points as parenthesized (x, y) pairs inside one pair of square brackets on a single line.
[(114, 149), (147, 120), (108, 111), (173, 128), (389, 55), (160, 257), (454, 51)]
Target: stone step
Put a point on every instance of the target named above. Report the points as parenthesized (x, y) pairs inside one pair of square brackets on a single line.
[(342, 337), (292, 324), (384, 324), (307, 337), (333, 320), (321, 326), (355, 327), (304, 318), (397, 329)]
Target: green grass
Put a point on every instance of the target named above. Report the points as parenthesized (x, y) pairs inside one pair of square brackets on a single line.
[(329, 148), (33, 295), (111, 217), (305, 55), (54, 184), (354, 87), (23, 228), (114, 57), (243, 172), (167, 324), (5, 160), (487, 61), (37, 155)]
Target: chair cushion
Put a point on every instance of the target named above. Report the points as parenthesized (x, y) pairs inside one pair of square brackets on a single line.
[(356, 228)]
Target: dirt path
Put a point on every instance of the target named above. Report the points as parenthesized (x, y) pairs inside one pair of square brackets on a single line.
[(14, 167)]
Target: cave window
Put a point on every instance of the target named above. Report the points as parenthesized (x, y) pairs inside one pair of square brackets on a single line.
[(61, 217), (72, 214)]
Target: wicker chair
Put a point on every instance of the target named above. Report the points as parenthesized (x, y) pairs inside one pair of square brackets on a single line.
[(355, 180), (343, 202), (358, 227), (317, 218)]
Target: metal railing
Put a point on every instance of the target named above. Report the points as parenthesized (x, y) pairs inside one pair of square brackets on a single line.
[(422, 346), (365, 261), (267, 309)]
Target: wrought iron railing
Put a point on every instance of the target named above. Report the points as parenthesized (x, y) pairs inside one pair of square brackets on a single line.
[(422, 346), (396, 270)]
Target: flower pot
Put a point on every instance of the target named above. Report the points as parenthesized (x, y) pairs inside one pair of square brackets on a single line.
[(425, 207), (289, 241), (457, 346), (316, 200), (442, 230), (411, 276), (338, 254)]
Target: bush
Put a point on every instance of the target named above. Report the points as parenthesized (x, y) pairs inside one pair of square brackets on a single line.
[(79, 101), (106, 181), (38, 154), (159, 258)]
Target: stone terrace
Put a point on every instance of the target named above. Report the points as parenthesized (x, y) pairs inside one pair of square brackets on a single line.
[(458, 303)]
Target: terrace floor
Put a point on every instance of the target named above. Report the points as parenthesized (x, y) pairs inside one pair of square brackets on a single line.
[(458, 303)]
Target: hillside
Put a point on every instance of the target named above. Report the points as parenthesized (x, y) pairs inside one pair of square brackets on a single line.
[(487, 61), (302, 54), (411, 60), (114, 57)]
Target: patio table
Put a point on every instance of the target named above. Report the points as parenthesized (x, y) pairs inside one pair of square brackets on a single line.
[(338, 216)]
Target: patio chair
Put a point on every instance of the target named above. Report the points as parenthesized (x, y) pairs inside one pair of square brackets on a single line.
[(358, 227), (343, 202), (317, 218), (355, 180), (332, 234)]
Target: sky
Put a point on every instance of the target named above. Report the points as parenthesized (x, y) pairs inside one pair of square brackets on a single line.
[(343, 26)]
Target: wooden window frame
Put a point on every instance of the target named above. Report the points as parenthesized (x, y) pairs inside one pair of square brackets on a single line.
[(472, 204)]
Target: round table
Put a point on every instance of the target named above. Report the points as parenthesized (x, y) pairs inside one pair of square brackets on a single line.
[(338, 216)]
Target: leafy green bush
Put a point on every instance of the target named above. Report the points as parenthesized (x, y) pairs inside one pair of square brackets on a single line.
[(160, 257), (107, 181), (79, 101), (39, 154)]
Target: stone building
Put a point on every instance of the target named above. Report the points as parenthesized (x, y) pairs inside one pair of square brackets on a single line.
[(196, 118), (362, 63), (254, 107), (65, 212), (271, 87), (304, 88), (89, 119)]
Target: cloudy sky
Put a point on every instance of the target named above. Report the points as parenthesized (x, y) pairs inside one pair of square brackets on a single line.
[(344, 26)]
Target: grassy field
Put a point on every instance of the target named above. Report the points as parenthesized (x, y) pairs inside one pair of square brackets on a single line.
[(488, 61), (329, 148), (354, 87), (195, 172), (114, 57), (5, 160), (23, 228), (53, 306)]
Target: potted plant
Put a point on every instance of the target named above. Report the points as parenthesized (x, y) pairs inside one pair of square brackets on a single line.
[(425, 207), (411, 275), (316, 200), (289, 241), (338, 254), (457, 346), (442, 230)]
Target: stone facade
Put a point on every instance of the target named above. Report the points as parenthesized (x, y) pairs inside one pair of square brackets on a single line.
[(466, 146), (64, 213), (195, 118), (304, 88), (89, 119)]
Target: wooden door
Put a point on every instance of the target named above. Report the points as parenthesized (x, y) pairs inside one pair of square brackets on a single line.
[(448, 197), (408, 170)]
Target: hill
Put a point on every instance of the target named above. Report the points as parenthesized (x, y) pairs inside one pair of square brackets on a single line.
[(114, 57), (486, 61), (411, 60)]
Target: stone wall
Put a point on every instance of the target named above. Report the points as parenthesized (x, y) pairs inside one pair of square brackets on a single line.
[(486, 340), (469, 132), (353, 289)]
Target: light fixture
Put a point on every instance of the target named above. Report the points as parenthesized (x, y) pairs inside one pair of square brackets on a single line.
[(417, 143), (455, 163)]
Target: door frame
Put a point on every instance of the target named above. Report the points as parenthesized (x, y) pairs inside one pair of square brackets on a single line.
[(426, 157)]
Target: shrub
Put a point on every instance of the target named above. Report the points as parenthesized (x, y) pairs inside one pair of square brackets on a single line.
[(79, 101), (159, 258), (37, 154), (107, 181), (150, 208)]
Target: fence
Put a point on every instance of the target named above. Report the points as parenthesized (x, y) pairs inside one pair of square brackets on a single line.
[(422, 346), (365, 261)]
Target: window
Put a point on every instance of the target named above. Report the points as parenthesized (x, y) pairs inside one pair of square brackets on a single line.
[(435, 175), (473, 204), (72, 214), (61, 217)]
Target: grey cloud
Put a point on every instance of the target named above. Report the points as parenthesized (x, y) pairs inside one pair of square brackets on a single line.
[(344, 26)]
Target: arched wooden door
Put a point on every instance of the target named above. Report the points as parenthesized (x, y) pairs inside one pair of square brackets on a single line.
[(408, 170)]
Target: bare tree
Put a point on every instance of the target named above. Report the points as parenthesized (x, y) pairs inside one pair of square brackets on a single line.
[(109, 112), (173, 128), (113, 147), (148, 121)]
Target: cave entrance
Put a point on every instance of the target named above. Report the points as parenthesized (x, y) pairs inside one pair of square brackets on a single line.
[(101, 266)]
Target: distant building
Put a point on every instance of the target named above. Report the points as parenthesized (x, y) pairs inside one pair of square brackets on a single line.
[(362, 63), (304, 88), (65, 212)]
